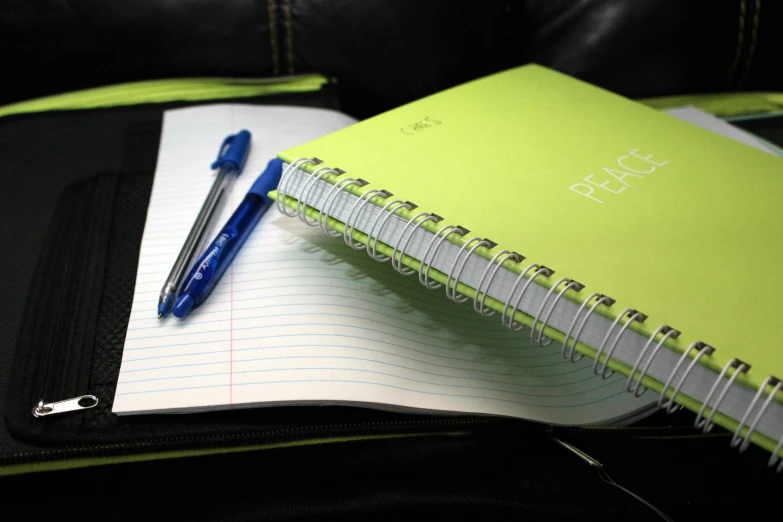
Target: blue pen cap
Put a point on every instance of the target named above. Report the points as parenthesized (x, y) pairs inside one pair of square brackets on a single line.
[(233, 152), (269, 179)]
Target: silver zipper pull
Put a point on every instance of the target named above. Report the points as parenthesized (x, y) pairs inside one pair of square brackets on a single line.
[(84, 402)]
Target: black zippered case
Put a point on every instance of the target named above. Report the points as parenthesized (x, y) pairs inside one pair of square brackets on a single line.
[(72, 340), (73, 329), (78, 304)]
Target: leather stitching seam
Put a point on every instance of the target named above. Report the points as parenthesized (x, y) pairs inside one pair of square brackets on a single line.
[(272, 10), (752, 46), (289, 33), (740, 42)]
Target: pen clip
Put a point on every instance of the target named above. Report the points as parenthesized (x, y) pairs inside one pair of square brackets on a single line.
[(233, 151)]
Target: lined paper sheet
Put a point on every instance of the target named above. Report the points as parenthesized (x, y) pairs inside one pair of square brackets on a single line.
[(302, 318)]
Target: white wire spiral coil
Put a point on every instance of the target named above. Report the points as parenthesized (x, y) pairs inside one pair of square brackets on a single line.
[(605, 350)]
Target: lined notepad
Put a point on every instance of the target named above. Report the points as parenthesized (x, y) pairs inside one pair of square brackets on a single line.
[(299, 318)]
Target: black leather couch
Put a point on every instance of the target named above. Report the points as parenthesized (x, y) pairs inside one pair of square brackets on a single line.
[(387, 52)]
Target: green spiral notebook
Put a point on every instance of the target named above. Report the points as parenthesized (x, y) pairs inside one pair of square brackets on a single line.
[(591, 223)]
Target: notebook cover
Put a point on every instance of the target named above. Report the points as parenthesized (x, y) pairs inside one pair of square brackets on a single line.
[(667, 218)]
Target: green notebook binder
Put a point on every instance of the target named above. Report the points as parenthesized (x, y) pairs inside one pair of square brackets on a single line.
[(604, 227)]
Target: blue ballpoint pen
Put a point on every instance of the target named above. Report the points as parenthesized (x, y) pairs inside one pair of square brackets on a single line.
[(230, 162), (210, 267)]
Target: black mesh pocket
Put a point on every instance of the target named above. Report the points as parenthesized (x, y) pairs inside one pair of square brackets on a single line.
[(78, 307), (78, 348), (129, 214)]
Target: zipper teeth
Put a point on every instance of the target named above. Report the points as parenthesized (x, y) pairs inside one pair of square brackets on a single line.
[(48, 382), (629, 429), (247, 437), (335, 430)]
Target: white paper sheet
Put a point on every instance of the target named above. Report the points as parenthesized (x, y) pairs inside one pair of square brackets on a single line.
[(301, 318)]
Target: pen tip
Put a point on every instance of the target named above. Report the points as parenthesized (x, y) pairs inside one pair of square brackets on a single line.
[(160, 316)]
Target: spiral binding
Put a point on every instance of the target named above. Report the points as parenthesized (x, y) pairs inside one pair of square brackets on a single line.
[(301, 207), (386, 212), (511, 324), (473, 245), (706, 422), (744, 441), (285, 180), (668, 332), (348, 229), (671, 406), (323, 214), (633, 315), (437, 240), (479, 306), (605, 351), (397, 263), (602, 300), (570, 284), (774, 458)]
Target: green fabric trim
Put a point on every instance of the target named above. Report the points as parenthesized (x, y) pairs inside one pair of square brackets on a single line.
[(18, 469), (730, 107), (725, 105), (161, 91)]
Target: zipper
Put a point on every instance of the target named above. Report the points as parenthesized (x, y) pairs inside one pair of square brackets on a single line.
[(239, 439), (44, 408), (631, 431), (84, 402), (205, 442), (48, 382)]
